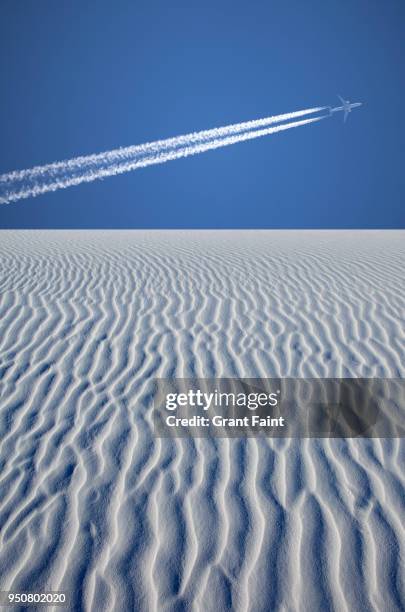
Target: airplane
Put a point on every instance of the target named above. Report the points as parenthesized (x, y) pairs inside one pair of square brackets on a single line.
[(347, 106)]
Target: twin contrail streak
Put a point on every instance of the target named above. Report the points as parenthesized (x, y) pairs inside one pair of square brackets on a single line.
[(35, 181)]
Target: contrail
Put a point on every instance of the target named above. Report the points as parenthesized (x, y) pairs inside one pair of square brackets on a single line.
[(21, 184), (129, 152)]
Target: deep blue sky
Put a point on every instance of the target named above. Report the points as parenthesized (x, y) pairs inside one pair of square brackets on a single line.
[(82, 77)]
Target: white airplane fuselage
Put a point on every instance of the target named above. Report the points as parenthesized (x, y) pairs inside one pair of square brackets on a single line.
[(346, 107)]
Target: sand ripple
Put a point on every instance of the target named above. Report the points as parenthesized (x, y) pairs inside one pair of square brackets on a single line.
[(90, 502)]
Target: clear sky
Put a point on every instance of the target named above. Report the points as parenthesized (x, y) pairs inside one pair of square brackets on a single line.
[(80, 77)]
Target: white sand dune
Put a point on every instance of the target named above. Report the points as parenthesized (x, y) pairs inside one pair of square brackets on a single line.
[(92, 503)]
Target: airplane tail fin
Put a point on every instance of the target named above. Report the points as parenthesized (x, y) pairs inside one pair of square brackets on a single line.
[(341, 99)]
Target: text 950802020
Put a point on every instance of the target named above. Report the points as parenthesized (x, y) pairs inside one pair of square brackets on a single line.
[(27, 598)]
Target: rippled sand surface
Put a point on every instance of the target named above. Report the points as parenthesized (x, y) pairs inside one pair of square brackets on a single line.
[(92, 503)]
